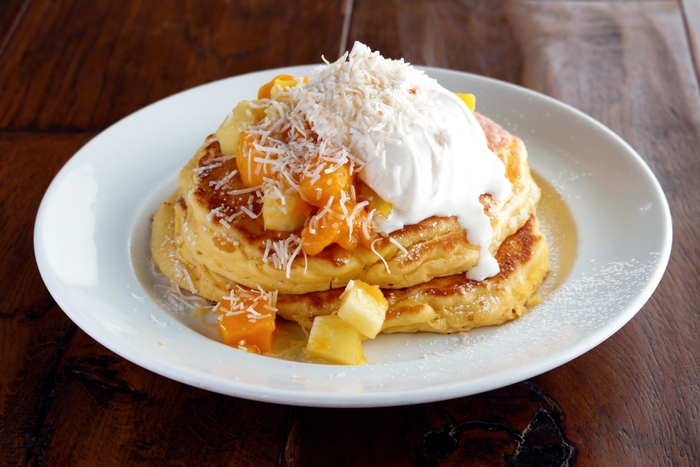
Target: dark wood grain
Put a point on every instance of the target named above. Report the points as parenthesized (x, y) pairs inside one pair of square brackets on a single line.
[(655, 109), (519, 425), (81, 65), (691, 16), (69, 69), (471, 36), (11, 12), (34, 332), (150, 419)]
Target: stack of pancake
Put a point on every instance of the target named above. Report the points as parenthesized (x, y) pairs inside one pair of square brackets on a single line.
[(209, 236)]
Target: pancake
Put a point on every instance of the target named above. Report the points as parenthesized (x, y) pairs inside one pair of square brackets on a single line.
[(443, 305), (220, 230), (366, 177), (453, 303)]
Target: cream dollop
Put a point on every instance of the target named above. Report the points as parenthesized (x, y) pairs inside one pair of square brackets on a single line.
[(418, 145), (439, 165)]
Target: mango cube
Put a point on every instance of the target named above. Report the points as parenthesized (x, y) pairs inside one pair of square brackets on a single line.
[(363, 306), (334, 340), (283, 84), (247, 319), (468, 99), (265, 91)]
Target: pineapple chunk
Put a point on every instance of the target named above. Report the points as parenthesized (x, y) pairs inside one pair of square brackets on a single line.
[(285, 214), (409, 314), (363, 306), (229, 133), (468, 99), (376, 203), (334, 340)]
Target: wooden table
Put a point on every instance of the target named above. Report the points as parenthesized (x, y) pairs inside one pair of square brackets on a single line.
[(70, 69)]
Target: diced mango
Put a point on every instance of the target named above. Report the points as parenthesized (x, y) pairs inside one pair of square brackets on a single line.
[(363, 306), (333, 227), (264, 91), (331, 193), (318, 189), (287, 213), (241, 327), (251, 170), (243, 116), (334, 340), (278, 84), (283, 84), (350, 239), (468, 99), (319, 233)]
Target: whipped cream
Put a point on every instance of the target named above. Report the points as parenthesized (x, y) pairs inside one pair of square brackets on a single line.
[(439, 165), (417, 144)]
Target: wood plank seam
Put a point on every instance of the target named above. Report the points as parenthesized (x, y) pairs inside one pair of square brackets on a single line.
[(14, 25), (282, 455), (48, 394), (347, 18), (690, 11)]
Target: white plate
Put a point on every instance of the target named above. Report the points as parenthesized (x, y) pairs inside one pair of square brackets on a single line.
[(91, 244)]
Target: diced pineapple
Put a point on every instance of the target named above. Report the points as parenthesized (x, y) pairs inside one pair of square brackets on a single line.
[(407, 314), (242, 116), (363, 306), (468, 99), (376, 203), (334, 340), (286, 213)]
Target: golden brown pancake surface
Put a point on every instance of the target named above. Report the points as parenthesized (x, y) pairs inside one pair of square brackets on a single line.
[(453, 303), (221, 229), (444, 304)]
